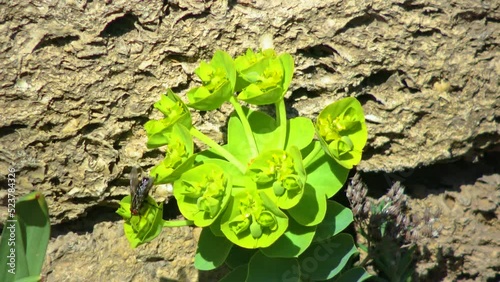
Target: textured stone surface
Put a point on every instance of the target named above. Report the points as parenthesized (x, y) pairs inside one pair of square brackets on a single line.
[(78, 80)]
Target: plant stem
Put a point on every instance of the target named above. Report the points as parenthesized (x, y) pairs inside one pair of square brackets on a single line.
[(177, 223), (246, 126), (309, 159), (281, 122), (218, 149)]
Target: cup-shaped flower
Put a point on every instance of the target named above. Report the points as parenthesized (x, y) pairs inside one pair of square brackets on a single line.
[(252, 220), (175, 111), (263, 78), (144, 227), (179, 156), (342, 131), (202, 193), (282, 172), (218, 79)]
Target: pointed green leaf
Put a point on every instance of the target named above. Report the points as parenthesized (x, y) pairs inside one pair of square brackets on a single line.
[(24, 238), (356, 274), (212, 250), (312, 207), (301, 132), (323, 260), (293, 243), (262, 268), (239, 274), (326, 174), (239, 256), (337, 219)]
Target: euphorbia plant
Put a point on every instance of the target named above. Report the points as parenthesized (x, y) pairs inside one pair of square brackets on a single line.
[(262, 197)]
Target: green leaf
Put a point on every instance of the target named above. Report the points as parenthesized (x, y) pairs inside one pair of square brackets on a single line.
[(288, 68), (262, 268), (337, 218), (25, 238), (239, 256), (326, 174), (342, 131), (355, 274), (35, 278), (293, 242), (212, 250), (323, 260), (301, 132), (237, 143), (264, 130), (311, 209), (238, 274)]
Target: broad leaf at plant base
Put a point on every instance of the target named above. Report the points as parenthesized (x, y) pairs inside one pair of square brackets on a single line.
[(342, 131), (330, 257), (324, 173), (355, 274), (212, 250), (240, 273), (311, 209), (293, 242), (336, 220), (262, 268)]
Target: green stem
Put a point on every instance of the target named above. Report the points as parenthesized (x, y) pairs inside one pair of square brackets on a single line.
[(313, 155), (246, 126), (218, 149), (282, 122), (178, 223)]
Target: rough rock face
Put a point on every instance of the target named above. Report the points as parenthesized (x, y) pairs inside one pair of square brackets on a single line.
[(78, 80)]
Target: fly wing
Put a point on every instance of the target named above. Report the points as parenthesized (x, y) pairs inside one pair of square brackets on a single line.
[(134, 182), (148, 185)]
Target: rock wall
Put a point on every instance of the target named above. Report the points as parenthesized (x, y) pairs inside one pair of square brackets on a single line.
[(78, 80)]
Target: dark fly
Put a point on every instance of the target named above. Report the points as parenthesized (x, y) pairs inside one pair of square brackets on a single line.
[(139, 190)]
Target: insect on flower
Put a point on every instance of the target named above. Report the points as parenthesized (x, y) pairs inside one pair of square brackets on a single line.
[(138, 190)]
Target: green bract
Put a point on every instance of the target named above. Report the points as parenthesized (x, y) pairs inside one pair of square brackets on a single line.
[(263, 77), (202, 193), (282, 173), (262, 196), (144, 228), (218, 78), (175, 112), (342, 131)]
